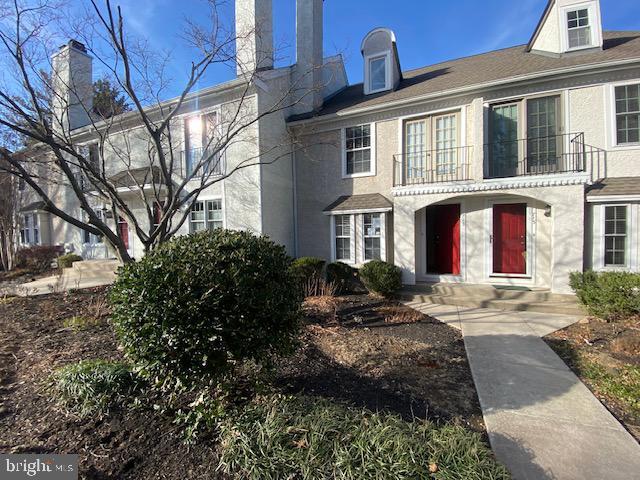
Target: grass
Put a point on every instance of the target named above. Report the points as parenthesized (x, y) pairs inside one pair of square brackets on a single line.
[(309, 438), (92, 387), (623, 385), (80, 323)]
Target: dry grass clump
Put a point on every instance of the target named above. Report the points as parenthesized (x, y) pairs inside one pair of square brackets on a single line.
[(400, 314)]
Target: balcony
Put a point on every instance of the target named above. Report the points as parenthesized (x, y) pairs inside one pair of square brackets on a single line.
[(206, 161), (547, 155), (432, 166)]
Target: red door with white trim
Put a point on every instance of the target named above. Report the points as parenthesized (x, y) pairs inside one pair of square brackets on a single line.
[(510, 238), (443, 239), (123, 230)]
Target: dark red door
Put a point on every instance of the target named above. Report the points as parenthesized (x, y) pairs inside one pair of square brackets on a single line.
[(123, 230), (443, 247), (510, 238)]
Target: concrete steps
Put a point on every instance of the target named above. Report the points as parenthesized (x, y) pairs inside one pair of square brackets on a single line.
[(95, 267), (487, 296)]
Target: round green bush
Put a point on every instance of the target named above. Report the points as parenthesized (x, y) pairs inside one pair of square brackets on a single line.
[(191, 309), (343, 276), (381, 277), (66, 261), (306, 268)]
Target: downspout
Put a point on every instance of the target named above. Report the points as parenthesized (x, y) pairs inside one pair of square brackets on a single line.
[(295, 203)]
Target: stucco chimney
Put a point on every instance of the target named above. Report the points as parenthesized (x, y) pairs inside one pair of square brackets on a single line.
[(254, 36), (309, 54), (72, 79)]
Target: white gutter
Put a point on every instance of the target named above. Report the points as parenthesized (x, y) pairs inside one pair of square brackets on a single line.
[(573, 71)]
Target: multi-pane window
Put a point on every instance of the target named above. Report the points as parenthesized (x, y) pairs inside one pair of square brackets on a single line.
[(200, 157), (378, 74), (628, 114), (579, 28), (445, 143), (206, 214), (90, 237), (343, 237), (615, 235), (30, 231), (372, 223), (358, 149)]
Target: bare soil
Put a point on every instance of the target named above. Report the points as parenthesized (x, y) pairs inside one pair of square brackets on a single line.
[(370, 352), (606, 357)]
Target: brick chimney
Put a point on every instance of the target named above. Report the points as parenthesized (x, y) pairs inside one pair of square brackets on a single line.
[(72, 79), (254, 36), (308, 72)]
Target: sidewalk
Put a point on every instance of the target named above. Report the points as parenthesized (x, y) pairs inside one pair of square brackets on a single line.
[(543, 422)]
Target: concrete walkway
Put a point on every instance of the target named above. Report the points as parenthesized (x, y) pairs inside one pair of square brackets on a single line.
[(87, 274), (543, 422)]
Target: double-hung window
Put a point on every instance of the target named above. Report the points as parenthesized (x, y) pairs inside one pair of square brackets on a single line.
[(343, 234), (30, 231), (579, 28), (89, 237), (372, 234), (628, 114), (615, 235), (206, 215), (199, 155), (358, 157)]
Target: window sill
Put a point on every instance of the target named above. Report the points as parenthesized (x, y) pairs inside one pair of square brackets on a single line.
[(358, 175), (626, 146)]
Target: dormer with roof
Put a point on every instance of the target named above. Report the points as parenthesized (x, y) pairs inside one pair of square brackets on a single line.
[(382, 70), (568, 27)]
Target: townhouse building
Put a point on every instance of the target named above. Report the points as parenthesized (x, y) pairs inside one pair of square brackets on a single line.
[(513, 167)]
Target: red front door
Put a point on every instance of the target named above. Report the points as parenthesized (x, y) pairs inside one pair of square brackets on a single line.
[(123, 230), (443, 239), (510, 238)]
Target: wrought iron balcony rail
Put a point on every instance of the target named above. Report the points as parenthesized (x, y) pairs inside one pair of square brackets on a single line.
[(207, 161), (543, 155), (432, 166)]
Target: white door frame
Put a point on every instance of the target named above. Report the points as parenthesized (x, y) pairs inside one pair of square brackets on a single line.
[(531, 221)]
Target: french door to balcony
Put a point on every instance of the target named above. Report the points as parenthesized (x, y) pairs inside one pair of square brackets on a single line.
[(543, 139), (503, 160), (431, 148)]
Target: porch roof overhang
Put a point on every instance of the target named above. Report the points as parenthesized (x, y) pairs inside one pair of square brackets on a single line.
[(350, 204), (136, 177), (33, 207), (614, 189)]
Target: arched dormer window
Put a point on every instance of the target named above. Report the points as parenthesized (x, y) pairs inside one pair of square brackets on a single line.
[(381, 64)]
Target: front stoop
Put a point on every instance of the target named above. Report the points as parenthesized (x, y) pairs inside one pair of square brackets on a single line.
[(487, 296)]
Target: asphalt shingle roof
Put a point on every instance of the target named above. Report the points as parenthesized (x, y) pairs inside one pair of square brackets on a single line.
[(479, 69), (373, 201), (615, 186)]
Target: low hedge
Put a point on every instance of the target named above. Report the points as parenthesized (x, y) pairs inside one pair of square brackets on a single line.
[(343, 276), (307, 438), (381, 277), (38, 258), (608, 295), (66, 261), (306, 268)]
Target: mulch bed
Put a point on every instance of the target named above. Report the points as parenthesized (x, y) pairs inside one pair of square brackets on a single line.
[(369, 352), (611, 346)]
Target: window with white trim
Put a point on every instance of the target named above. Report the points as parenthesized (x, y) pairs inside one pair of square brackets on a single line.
[(615, 235), (206, 215), (579, 28), (372, 233), (89, 237), (358, 150), (628, 114), (30, 231), (378, 74), (343, 234)]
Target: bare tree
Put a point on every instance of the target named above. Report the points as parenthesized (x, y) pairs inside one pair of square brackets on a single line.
[(41, 107)]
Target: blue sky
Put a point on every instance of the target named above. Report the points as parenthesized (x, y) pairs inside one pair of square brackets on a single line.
[(428, 31)]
